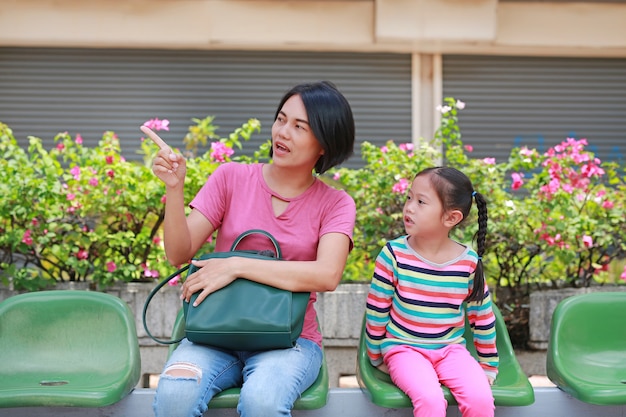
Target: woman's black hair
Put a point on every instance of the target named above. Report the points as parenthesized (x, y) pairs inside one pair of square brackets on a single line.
[(330, 118), (456, 192)]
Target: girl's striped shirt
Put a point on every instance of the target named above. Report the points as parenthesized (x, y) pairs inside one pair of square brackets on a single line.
[(416, 302)]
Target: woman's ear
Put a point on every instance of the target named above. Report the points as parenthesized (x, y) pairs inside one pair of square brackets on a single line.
[(452, 218)]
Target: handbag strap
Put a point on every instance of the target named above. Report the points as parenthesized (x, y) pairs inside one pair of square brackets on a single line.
[(279, 254), (151, 295), (186, 267)]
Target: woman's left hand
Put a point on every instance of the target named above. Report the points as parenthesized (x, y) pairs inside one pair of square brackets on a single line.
[(212, 275)]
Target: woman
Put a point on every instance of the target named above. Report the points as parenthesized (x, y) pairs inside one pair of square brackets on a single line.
[(313, 130)]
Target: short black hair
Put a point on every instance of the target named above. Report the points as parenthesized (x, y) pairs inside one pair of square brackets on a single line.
[(330, 118)]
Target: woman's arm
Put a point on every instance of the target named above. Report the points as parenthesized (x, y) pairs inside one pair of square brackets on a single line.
[(322, 274), (183, 235)]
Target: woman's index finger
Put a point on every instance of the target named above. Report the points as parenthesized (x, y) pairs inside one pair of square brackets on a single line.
[(155, 138)]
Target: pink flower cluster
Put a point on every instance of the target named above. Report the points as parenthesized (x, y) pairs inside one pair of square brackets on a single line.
[(219, 151), (401, 186), (157, 124), (569, 178)]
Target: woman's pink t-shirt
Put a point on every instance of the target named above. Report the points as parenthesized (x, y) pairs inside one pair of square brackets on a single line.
[(236, 198)]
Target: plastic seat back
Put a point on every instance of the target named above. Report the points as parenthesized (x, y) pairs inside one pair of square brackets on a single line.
[(587, 351), (316, 396), (511, 387), (67, 348)]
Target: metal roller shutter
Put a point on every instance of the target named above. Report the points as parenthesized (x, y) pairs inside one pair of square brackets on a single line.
[(44, 91), (539, 102)]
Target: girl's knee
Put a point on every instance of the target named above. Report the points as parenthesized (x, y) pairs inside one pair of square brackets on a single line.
[(430, 406), (478, 405)]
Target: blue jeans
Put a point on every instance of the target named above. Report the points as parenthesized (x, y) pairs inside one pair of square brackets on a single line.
[(271, 381)]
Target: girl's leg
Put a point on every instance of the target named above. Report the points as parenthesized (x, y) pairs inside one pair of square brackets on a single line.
[(275, 379), (467, 381), (412, 371), (191, 377)]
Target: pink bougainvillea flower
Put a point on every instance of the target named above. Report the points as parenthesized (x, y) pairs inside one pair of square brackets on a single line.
[(111, 173), (219, 151), (623, 276), (587, 241), (157, 124), (109, 159), (401, 186), (75, 171), (26, 238), (406, 147), (379, 210), (156, 240), (79, 139), (384, 149), (469, 148), (489, 161), (607, 204), (111, 267), (60, 146), (93, 181), (337, 176), (71, 196), (517, 180), (174, 281), (526, 152), (150, 273), (82, 254)]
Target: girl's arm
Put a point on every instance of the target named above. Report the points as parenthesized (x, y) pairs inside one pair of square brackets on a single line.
[(481, 316), (378, 305)]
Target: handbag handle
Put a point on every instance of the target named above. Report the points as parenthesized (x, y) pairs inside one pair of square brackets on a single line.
[(152, 293), (186, 267), (279, 254)]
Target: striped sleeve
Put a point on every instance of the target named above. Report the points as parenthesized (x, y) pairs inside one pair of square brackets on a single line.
[(378, 305), (483, 323)]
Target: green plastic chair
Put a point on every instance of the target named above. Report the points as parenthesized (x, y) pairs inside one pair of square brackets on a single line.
[(67, 348), (511, 387), (586, 355), (316, 396)]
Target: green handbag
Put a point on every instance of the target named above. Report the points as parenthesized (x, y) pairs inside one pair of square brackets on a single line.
[(244, 315)]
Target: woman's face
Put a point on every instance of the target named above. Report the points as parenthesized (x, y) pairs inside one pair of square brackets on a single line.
[(293, 142)]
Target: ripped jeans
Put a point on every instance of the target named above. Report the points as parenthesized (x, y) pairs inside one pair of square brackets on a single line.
[(271, 381)]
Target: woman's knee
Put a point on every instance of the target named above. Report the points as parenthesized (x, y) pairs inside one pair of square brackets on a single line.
[(255, 403), (178, 392)]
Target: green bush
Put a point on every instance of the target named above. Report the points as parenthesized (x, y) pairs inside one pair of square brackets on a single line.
[(555, 219), (74, 214), (80, 214)]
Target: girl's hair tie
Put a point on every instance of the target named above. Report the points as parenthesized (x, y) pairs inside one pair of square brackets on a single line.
[(473, 193)]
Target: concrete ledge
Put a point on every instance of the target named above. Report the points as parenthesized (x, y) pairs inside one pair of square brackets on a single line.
[(344, 402)]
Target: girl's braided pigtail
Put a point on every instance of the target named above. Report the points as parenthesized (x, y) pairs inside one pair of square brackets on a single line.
[(478, 291)]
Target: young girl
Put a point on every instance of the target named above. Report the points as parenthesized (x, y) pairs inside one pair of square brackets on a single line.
[(415, 316), (313, 130)]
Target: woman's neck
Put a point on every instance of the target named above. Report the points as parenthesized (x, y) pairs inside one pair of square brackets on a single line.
[(287, 182)]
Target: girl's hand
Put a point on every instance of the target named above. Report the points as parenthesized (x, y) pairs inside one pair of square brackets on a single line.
[(169, 166), (383, 367), (212, 275), (491, 380)]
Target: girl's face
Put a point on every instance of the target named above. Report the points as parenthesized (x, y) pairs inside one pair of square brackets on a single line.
[(423, 211), (293, 141)]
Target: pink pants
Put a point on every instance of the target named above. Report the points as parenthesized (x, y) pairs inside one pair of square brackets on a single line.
[(419, 372)]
